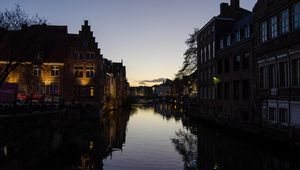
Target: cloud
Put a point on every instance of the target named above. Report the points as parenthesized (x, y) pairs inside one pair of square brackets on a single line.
[(159, 80)]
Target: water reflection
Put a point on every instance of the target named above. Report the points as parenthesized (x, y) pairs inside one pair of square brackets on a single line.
[(152, 136)]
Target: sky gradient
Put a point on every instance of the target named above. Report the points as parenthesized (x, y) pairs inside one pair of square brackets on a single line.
[(148, 35)]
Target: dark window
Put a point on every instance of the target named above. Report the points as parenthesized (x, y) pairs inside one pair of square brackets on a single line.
[(273, 27), (236, 90), (296, 16), (272, 114), (262, 77), (236, 63), (245, 60), (54, 88), (272, 76), (227, 65), (283, 115), (283, 74), (219, 90), (226, 90), (264, 31), (296, 72), (37, 71), (246, 89), (284, 21), (220, 67)]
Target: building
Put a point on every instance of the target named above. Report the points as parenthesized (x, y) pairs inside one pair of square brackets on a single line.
[(217, 46), (56, 64), (277, 61)]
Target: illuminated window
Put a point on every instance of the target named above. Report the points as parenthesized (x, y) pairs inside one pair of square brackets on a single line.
[(37, 71), (92, 91), (90, 71), (54, 71), (78, 71)]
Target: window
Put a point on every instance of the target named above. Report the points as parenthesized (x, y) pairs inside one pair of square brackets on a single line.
[(80, 56), (296, 72), (274, 31), (245, 89), (213, 49), (262, 77), (37, 71), (92, 91), (284, 21), (226, 65), (78, 71), (201, 55), (283, 116), (89, 71), (221, 43), (219, 90), (204, 54), (54, 88), (283, 74), (272, 114), (236, 62), (272, 77), (220, 67), (296, 16), (245, 60), (228, 40), (54, 71), (247, 32), (208, 50), (237, 36), (41, 87), (90, 56), (236, 90), (264, 31), (226, 90)]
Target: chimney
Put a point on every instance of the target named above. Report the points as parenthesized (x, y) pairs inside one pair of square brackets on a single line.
[(235, 4), (223, 7), (86, 22)]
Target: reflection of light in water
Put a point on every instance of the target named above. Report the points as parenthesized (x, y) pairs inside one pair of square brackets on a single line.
[(5, 150), (91, 145), (216, 166)]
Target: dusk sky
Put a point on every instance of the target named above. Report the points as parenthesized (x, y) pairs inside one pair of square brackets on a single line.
[(148, 35)]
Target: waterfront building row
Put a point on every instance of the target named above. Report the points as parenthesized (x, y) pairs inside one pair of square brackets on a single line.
[(50, 62), (248, 64)]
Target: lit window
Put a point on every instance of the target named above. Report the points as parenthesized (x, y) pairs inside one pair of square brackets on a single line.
[(54, 71), (284, 21), (89, 71), (264, 31), (92, 92), (274, 32), (37, 71), (78, 71), (296, 16)]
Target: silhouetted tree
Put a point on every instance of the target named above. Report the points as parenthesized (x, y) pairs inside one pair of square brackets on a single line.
[(190, 56), (14, 40)]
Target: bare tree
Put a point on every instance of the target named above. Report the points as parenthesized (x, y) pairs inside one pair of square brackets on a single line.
[(14, 40), (190, 56)]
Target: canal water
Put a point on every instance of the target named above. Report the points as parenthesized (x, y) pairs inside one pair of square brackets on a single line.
[(153, 136)]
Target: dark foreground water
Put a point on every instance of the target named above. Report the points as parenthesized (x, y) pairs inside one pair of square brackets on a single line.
[(151, 137)]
